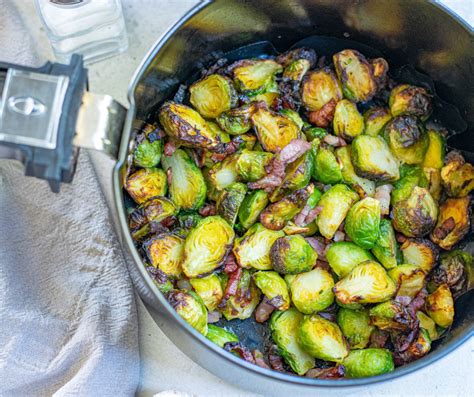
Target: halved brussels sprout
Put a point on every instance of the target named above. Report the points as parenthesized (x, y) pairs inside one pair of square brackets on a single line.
[(311, 291), (326, 167), (284, 326), (322, 339), (266, 95), (254, 203), (206, 246), (434, 157), (253, 248), (212, 95), (343, 256), (364, 187), (373, 160), (363, 222), (356, 327), (368, 362), (407, 99), (368, 282), (230, 200), (318, 88), (255, 74), (187, 188), (191, 308), (291, 229), (386, 248), (335, 204), (416, 215), (296, 70), (292, 255), (375, 120), (440, 306), (294, 116), (210, 290), (420, 252), (220, 336), (410, 177), (407, 139), (274, 131), (347, 122), (251, 164), (288, 57), (222, 175), (146, 183), (391, 315), (428, 324), (356, 75), (148, 152), (166, 252), (237, 121), (433, 176), (274, 288), (298, 173), (410, 279), (457, 176)]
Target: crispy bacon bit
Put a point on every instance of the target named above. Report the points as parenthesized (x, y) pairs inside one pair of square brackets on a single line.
[(326, 373), (400, 238), (170, 148), (382, 194), (213, 317), (378, 338), (259, 359), (402, 341), (275, 360), (242, 351), (264, 310), (208, 210), (322, 265), (319, 246), (323, 117), (339, 236), (335, 141), (231, 287), (307, 215), (444, 229), (417, 303), (230, 264)]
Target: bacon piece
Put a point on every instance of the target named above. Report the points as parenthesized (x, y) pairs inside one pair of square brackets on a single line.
[(264, 310), (208, 210), (275, 360), (230, 264), (231, 287), (326, 373), (170, 148), (213, 317), (319, 246), (444, 229), (382, 194), (339, 236), (242, 351), (259, 360), (417, 303), (307, 215), (378, 338), (323, 117), (335, 141)]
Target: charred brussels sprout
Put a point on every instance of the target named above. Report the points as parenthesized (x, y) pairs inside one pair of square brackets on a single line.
[(335, 204), (410, 177), (274, 288), (343, 256), (253, 248), (416, 215), (187, 187), (166, 252), (276, 215), (251, 164), (292, 255), (222, 175), (420, 252), (191, 308), (375, 120), (368, 362), (363, 222), (373, 160), (322, 339), (347, 122), (311, 291), (368, 282), (428, 324), (296, 70), (364, 187), (274, 131), (252, 76), (407, 99), (416, 349), (298, 173), (206, 246), (213, 95), (237, 121), (391, 315), (209, 288), (433, 176), (230, 200), (148, 153), (356, 327), (386, 248), (434, 157), (220, 336), (318, 88), (254, 203), (284, 327), (410, 279), (356, 75), (440, 306), (457, 176), (326, 168), (146, 183)]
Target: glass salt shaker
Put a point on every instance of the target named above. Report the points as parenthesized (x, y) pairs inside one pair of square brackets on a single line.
[(93, 28)]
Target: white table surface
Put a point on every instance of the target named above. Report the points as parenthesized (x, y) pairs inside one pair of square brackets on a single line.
[(163, 365)]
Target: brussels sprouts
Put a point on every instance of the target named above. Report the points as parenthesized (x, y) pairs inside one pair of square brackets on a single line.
[(188, 127), (322, 339), (320, 87), (457, 176), (311, 291), (296, 70), (368, 282), (191, 308), (434, 157), (288, 57), (294, 116), (166, 252), (373, 160), (253, 75), (146, 183), (209, 288), (243, 303), (391, 315), (268, 95), (326, 168), (356, 75), (440, 306), (364, 187), (368, 362), (347, 122), (160, 279), (363, 222), (410, 279), (292, 255), (407, 139), (380, 70), (274, 131), (274, 288), (291, 229), (356, 327), (410, 177), (254, 203), (375, 120), (428, 324), (230, 200), (222, 175), (343, 256), (416, 215), (251, 164), (298, 173), (420, 252), (148, 152), (253, 248), (187, 187), (433, 176), (220, 336), (335, 204), (206, 246), (284, 326), (417, 349), (406, 99), (314, 133), (386, 248), (237, 121)]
